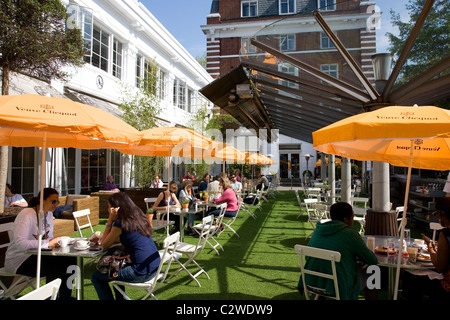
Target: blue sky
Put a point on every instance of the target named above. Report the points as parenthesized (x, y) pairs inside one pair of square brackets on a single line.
[(183, 19)]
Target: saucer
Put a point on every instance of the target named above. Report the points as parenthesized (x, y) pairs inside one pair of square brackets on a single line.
[(81, 248)]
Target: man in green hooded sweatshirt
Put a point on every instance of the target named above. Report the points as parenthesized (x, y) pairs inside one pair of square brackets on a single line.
[(338, 235)]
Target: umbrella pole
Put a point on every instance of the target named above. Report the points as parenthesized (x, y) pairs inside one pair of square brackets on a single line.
[(168, 189), (41, 214), (403, 223)]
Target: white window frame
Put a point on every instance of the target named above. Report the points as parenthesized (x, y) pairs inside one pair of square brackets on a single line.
[(326, 5), (289, 69), (288, 4), (250, 48), (287, 40), (331, 69), (250, 4), (117, 58), (324, 37), (101, 49)]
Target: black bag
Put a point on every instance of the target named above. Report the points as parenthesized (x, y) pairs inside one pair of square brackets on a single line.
[(251, 200), (114, 260)]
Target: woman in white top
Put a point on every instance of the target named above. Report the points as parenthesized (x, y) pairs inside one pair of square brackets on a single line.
[(14, 199), (25, 237)]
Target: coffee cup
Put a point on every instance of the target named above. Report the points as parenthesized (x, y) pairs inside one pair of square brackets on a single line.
[(82, 243), (64, 241)]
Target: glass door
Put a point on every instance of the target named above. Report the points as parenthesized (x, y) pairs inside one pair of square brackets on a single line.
[(284, 165)]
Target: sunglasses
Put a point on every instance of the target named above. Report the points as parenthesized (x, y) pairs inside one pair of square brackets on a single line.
[(55, 202)]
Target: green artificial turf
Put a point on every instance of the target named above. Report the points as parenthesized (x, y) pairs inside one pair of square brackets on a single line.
[(260, 264)]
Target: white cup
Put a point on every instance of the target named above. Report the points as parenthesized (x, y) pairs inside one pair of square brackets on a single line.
[(64, 242), (82, 243), (419, 242)]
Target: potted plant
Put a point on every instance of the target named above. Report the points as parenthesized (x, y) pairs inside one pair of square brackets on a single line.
[(185, 203)]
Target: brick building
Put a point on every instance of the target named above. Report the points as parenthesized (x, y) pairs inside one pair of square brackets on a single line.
[(290, 27)]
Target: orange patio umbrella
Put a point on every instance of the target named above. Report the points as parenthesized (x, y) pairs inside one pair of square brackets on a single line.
[(337, 162), (413, 137), (258, 159), (33, 120), (180, 142)]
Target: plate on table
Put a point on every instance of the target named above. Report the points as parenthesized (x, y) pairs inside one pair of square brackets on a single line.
[(81, 248), (423, 257), (383, 249)]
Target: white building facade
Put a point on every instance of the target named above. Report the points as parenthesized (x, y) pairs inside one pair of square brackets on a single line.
[(124, 39)]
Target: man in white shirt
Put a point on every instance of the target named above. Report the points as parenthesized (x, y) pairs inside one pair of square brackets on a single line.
[(213, 187), (157, 183)]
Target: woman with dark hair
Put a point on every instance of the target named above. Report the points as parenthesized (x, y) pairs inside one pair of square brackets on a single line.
[(416, 286), (26, 238), (168, 198), (128, 223)]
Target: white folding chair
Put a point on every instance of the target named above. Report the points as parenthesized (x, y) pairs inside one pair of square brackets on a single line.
[(228, 221), (193, 250), (80, 214), (435, 226), (308, 205), (154, 283), (399, 214), (19, 282), (50, 290), (314, 215), (213, 228), (313, 193), (328, 255)]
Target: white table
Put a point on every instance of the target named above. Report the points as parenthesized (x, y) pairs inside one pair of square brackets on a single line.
[(70, 251)]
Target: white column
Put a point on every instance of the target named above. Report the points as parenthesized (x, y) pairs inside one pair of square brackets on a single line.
[(332, 176), (381, 187), (346, 181)]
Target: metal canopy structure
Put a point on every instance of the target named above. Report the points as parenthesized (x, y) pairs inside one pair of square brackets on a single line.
[(286, 86)]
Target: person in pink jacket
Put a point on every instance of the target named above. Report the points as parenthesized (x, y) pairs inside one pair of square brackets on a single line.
[(228, 197)]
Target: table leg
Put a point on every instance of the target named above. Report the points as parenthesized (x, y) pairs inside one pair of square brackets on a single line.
[(80, 279), (181, 227)]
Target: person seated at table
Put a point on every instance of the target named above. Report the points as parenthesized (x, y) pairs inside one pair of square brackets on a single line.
[(236, 185), (161, 203), (127, 222), (188, 176), (156, 183), (237, 173), (229, 197), (203, 186), (415, 287), (186, 192), (338, 235), (13, 199), (110, 185), (214, 186), (262, 183), (25, 231)]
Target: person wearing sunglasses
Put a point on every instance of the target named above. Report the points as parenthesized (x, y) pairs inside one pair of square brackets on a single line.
[(25, 238), (161, 203), (415, 287)]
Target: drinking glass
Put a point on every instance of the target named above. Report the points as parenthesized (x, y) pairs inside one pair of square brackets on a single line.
[(407, 236), (391, 247), (412, 253)]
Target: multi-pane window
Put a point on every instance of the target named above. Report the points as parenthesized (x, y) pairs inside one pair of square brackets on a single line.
[(287, 42), (325, 42), (68, 172), (190, 96), (287, 6), (100, 50), (117, 59), (290, 69), (249, 8), (139, 69), (326, 5), (175, 91), (82, 18), (181, 95), (22, 171), (93, 169), (115, 166), (247, 47), (162, 84), (331, 69)]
